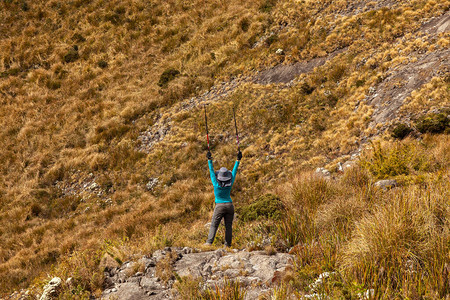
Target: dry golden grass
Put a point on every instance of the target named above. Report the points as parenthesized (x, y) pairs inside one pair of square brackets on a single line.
[(79, 82)]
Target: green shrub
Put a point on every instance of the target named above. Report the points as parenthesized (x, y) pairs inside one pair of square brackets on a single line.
[(400, 131), (266, 206), (167, 76), (399, 159), (387, 162), (433, 123)]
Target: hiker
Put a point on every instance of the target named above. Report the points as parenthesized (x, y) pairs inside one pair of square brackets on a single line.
[(222, 181)]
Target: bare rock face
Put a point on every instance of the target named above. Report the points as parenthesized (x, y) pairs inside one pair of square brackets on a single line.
[(254, 270), (51, 290)]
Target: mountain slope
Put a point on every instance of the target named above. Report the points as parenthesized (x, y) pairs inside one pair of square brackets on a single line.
[(102, 139)]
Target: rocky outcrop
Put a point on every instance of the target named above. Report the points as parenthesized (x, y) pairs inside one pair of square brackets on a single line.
[(144, 279)]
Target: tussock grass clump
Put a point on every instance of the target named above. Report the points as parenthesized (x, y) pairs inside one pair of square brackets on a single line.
[(356, 177), (307, 191), (83, 268), (167, 76), (230, 290), (403, 245), (303, 196), (194, 288)]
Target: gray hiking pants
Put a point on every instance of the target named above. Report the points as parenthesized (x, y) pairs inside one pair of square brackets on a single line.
[(226, 211)]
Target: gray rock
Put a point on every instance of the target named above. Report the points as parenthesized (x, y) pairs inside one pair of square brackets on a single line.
[(151, 184), (323, 172), (348, 165), (253, 270), (386, 184), (52, 289), (126, 291)]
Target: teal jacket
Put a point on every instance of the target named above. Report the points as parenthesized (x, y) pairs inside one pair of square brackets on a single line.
[(222, 194)]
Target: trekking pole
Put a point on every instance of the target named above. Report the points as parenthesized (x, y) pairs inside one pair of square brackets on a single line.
[(206, 123), (237, 134)]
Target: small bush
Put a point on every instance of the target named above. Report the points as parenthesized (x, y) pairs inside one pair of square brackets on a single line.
[(384, 163), (360, 82), (271, 39), (167, 76), (53, 84), (306, 89), (337, 72), (403, 158), (102, 64), (267, 6), (400, 131), (266, 206), (72, 55), (35, 209), (433, 123), (244, 24)]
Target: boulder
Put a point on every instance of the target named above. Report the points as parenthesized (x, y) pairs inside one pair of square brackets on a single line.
[(52, 289), (386, 184)]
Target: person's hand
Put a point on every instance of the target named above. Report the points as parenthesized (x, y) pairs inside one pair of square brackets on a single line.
[(209, 155), (239, 155)]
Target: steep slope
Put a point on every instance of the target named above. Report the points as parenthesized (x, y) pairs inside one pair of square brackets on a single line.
[(102, 123)]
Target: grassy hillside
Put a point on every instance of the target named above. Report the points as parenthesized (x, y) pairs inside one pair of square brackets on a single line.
[(99, 98)]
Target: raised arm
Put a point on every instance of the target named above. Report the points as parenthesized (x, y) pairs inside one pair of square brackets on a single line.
[(234, 172), (236, 166), (211, 173)]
